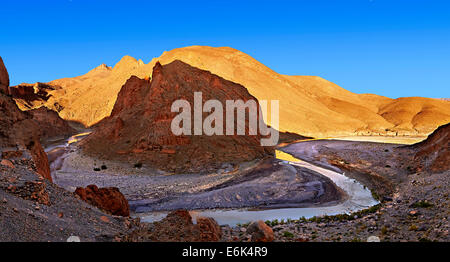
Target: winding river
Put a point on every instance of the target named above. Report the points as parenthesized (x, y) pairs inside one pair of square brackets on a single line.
[(359, 197)]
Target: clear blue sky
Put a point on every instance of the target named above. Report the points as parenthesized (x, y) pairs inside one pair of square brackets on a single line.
[(388, 47)]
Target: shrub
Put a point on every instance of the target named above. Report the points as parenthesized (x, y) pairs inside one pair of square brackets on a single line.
[(288, 234)]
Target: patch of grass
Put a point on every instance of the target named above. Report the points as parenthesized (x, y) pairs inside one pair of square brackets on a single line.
[(424, 239), (272, 223), (342, 217), (384, 230), (412, 228), (422, 204), (288, 234), (375, 196)]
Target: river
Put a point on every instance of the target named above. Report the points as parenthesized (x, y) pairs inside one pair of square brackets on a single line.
[(359, 198)]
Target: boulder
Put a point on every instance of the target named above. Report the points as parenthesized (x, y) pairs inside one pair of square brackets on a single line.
[(260, 232), (109, 199), (178, 226), (210, 231)]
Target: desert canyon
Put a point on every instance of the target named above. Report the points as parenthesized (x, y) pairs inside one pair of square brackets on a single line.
[(93, 156)]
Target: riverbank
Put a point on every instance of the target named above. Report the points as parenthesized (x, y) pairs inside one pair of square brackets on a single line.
[(415, 205)]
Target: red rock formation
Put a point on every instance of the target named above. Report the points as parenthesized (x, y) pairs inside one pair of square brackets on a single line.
[(51, 125), (260, 232), (178, 227), (4, 78), (19, 135), (140, 123), (434, 153), (209, 229), (108, 199)]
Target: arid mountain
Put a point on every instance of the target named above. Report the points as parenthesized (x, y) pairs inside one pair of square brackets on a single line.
[(139, 128), (433, 154), (309, 105)]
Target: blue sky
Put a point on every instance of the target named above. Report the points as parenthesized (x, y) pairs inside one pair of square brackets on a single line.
[(389, 47)]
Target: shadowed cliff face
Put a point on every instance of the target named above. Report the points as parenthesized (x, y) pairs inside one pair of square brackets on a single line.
[(433, 154), (4, 78), (51, 125), (139, 128), (19, 134)]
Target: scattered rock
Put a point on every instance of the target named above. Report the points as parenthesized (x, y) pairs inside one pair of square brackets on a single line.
[(260, 232), (104, 219), (109, 199), (6, 162), (178, 227), (414, 213), (210, 231)]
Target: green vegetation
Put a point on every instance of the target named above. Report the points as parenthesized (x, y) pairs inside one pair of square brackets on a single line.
[(288, 234), (384, 230), (413, 228), (326, 218), (342, 217), (422, 204), (375, 196)]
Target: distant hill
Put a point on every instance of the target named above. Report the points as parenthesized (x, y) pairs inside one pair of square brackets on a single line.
[(309, 105)]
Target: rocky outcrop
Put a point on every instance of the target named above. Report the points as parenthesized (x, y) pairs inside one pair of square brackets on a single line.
[(19, 136), (433, 154), (33, 209), (178, 227), (139, 128), (29, 96), (4, 78), (51, 125), (260, 232), (109, 199)]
